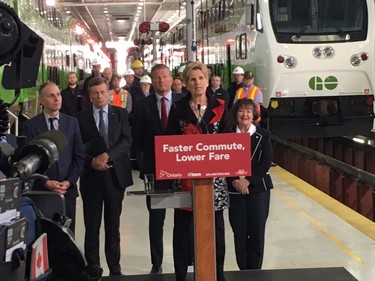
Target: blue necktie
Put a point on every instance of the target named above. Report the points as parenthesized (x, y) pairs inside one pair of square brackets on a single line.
[(102, 129), (52, 127)]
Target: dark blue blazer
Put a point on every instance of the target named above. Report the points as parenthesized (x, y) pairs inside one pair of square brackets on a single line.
[(70, 163), (146, 125), (119, 137), (261, 159)]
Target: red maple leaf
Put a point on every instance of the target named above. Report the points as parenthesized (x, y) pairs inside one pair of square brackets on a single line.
[(39, 260)]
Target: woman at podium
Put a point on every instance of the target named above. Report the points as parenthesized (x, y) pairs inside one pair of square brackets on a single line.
[(198, 113)]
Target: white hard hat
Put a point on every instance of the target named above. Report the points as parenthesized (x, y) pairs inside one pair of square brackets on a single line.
[(95, 62), (129, 72), (145, 79), (181, 69), (238, 70)]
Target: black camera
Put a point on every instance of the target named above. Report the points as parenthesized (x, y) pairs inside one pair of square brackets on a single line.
[(20, 49)]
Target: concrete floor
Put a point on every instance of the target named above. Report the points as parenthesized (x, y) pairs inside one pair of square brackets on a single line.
[(304, 230)]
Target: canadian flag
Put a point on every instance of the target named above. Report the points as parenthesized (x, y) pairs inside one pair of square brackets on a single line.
[(39, 257)]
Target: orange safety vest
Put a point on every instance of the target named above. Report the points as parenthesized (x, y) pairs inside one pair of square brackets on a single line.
[(120, 100), (240, 94)]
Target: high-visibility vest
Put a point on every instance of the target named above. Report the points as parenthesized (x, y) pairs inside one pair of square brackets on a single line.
[(120, 100), (240, 94)]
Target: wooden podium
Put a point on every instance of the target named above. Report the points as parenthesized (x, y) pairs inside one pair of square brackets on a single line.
[(200, 157), (204, 230)]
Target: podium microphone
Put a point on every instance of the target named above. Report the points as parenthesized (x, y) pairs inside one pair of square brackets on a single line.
[(199, 119)]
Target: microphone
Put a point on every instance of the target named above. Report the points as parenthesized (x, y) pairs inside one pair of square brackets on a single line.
[(199, 118), (39, 154)]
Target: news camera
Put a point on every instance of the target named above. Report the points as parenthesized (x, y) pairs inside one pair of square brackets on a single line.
[(20, 53)]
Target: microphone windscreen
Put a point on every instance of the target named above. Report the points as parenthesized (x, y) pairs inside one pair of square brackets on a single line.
[(57, 137)]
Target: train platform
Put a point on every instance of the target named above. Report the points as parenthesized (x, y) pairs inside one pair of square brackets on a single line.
[(309, 236)]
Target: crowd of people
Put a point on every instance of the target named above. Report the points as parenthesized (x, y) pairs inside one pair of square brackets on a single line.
[(105, 123)]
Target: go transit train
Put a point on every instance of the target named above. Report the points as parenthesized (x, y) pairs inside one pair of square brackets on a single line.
[(64, 50), (313, 59)]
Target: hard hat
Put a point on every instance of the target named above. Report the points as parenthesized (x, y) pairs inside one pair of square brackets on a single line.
[(137, 64), (238, 70), (181, 69), (95, 62), (129, 72), (145, 79)]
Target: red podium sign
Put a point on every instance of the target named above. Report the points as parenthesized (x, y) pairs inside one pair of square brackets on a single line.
[(202, 156)]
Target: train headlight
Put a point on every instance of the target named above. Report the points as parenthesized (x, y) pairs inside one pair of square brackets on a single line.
[(328, 52), (323, 52), (357, 59), (290, 62), (317, 52)]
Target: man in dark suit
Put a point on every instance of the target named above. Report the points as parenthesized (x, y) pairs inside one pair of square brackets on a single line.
[(150, 117), (106, 134), (63, 175)]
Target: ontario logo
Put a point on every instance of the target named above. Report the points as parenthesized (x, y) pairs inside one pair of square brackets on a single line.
[(241, 172), (165, 174)]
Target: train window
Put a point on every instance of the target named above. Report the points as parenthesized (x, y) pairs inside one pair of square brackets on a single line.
[(343, 20), (238, 47), (67, 58), (74, 60), (220, 10), (243, 46), (259, 24), (80, 74), (49, 73)]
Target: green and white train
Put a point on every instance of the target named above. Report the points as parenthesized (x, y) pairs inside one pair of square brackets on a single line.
[(313, 59), (63, 51)]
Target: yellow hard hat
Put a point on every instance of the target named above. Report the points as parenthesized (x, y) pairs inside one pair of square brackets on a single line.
[(137, 64)]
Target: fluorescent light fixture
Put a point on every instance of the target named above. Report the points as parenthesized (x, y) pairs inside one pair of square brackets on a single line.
[(50, 3)]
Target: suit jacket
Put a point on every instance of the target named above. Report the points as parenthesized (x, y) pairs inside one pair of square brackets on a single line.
[(119, 137), (71, 100), (70, 164), (261, 159), (146, 125)]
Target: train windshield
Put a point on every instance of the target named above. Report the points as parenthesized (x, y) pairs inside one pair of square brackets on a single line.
[(299, 21)]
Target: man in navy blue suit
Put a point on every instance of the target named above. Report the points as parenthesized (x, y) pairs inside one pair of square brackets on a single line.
[(148, 123), (107, 173), (63, 174)]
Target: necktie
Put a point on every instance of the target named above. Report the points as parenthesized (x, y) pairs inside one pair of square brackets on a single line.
[(163, 113), (102, 129), (52, 127)]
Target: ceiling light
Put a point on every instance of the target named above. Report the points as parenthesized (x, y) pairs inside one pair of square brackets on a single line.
[(50, 3)]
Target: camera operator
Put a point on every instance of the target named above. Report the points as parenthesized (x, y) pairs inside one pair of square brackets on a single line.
[(63, 174)]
